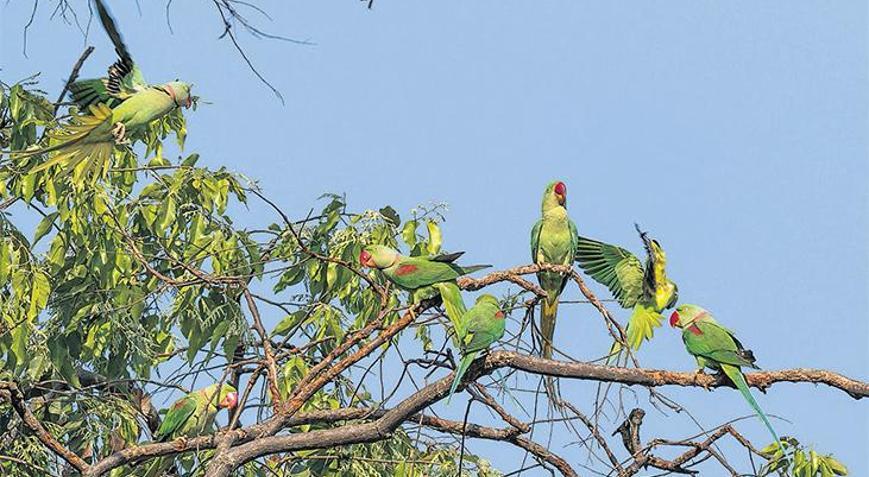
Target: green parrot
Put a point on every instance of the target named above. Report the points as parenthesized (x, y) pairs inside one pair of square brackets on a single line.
[(646, 289), (715, 347), (419, 275), (553, 241), (191, 416), (483, 325), (120, 107)]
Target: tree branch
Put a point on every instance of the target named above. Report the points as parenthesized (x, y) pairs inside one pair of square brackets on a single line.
[(10, 391)]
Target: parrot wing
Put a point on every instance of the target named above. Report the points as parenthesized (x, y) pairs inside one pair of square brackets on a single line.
[(713, 342), (535, 239), (178, 415), (614, 267), (124, 77), (446, 257)]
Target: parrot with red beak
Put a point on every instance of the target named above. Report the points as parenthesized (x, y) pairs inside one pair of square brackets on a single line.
[(553, 241), (419, 275), (645, 288), (116, 109), (715, 347), (191, 416)]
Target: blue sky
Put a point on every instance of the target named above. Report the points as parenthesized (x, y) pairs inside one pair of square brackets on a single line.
[(736, 132)]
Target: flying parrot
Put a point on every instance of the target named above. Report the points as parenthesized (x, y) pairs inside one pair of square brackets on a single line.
[(646, 289), (553, 241), (483, 325), (715, 347), (119, 107), (418, 274), (191, 416)]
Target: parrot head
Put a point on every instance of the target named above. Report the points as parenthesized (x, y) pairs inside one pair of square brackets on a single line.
[(180, 93), (378, 256), (228, 397), (684, 315), (490, 300), (555, 195)]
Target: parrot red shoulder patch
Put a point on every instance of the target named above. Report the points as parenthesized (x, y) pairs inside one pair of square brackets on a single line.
[(405, 269), (694, 329)]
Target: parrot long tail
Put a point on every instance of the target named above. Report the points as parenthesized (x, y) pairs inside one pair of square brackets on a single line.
[(548, 312), (454, 306), (463, 367), (735, 375), (72, 147)]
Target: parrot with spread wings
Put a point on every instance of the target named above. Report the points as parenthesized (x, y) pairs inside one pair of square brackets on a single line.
[(645, 288), (115, 109)]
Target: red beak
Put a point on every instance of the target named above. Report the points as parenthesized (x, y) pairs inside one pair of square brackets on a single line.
[(364, 258), (674, 319), (231, 400)]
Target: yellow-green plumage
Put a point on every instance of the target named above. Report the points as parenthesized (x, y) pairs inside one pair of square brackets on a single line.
[(715, 347), (553, 241), (119, 106), (645, 289), (482, 326)]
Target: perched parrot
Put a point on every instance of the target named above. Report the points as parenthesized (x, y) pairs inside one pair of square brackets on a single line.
[(417, 274), (646, 289), (120, 107), (191, 416), (715, 347), (483, 325), (553, 241)]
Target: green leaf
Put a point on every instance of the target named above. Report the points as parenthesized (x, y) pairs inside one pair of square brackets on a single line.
[(434, 237), (408, 233), (44, 226), (40, 289)]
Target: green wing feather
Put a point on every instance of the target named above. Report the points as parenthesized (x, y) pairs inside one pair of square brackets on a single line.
[(716, 343), (535, 239), (446, 257), (124, 77), (177, 416), (482, 329), (614, 267)]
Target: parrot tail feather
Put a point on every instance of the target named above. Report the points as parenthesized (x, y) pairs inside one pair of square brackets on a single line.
[(454, 306), (548, 312), (641, 325), (735, 375), (71, 135), (463, 367)]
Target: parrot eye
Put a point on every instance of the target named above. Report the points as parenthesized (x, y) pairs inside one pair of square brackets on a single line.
[(560, 188)]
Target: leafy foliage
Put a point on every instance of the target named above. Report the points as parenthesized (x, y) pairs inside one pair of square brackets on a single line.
[(141, 271), (792, 459)]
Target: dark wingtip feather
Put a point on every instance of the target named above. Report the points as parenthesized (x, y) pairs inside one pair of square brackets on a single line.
[(111, 28)]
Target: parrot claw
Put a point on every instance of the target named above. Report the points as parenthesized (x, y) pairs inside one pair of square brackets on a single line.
[(698, 377), (119, 132), (181, 443)]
